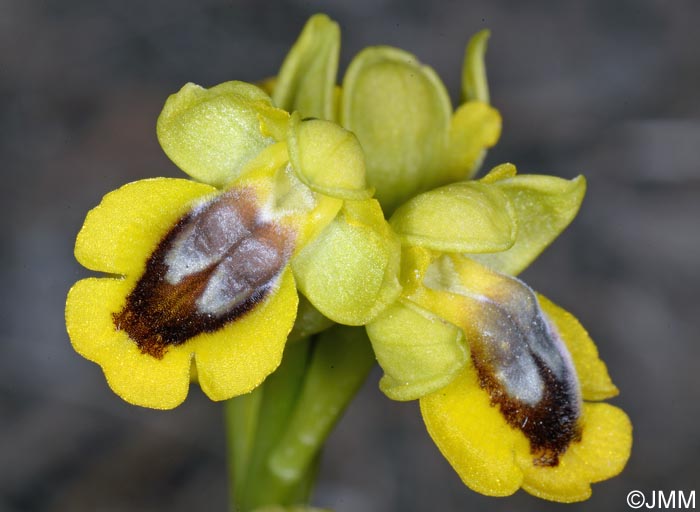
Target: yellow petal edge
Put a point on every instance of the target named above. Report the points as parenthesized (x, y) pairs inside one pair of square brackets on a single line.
[(120, 233), (493, 458)]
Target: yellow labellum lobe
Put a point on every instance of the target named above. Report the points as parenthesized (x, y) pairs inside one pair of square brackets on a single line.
[(214, 265), (518, 356)]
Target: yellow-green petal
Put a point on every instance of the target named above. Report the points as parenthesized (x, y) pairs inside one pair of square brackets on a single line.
[(463, 217), (474, 83), (418, 351), (211, 133), (124, 229), (475, 127), (544, 206), (138, 378), (307, 79), (350, 271), (592, 372), (328, 158), (500, 172), (400, 112), (237, 358)]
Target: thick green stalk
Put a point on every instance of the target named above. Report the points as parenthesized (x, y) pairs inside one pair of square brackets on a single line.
[(276, 432), (340, 363), (241, 416)]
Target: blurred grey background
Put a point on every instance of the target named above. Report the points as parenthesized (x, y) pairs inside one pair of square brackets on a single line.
[(604, 88)]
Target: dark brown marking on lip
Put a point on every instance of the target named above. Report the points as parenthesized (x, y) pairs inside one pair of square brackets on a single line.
[(520, 360), (550, 426), (161, 311)]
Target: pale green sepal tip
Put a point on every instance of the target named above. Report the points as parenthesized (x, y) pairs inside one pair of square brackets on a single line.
[(474, 83), (327, 158), (466, 217), (418, 351), (400, 112), (544, 207), (306, 80), (212, 133)]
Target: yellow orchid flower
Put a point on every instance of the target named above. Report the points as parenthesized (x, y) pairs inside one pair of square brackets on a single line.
[(506, 379), (398, 108), (203, 276)]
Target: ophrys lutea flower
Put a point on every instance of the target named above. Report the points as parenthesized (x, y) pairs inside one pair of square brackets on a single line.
[(202, 275), (507, 380)]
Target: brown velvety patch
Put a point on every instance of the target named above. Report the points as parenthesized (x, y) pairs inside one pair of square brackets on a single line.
[(230, 273), (550, 426)]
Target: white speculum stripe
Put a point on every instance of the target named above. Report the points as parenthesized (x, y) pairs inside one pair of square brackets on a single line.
[(211, 234), (518, 356), (240, 252), (250, 266), (521, 342), (512, 336), (518, 336)]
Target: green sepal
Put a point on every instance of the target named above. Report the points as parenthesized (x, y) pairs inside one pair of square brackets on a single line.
[(467, 217), (327, 158), (306, 80), (474, 83), (400, 112), (349, 272), (418, 351), (544, 206), (212, 133)]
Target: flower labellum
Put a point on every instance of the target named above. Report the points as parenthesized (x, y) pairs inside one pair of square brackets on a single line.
[(204, 280), (214, 265), (505, 378), (515, 415), (520, 360)]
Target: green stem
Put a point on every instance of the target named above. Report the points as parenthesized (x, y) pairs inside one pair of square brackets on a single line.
[(341, 361), (241, 416), (276, 432)]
